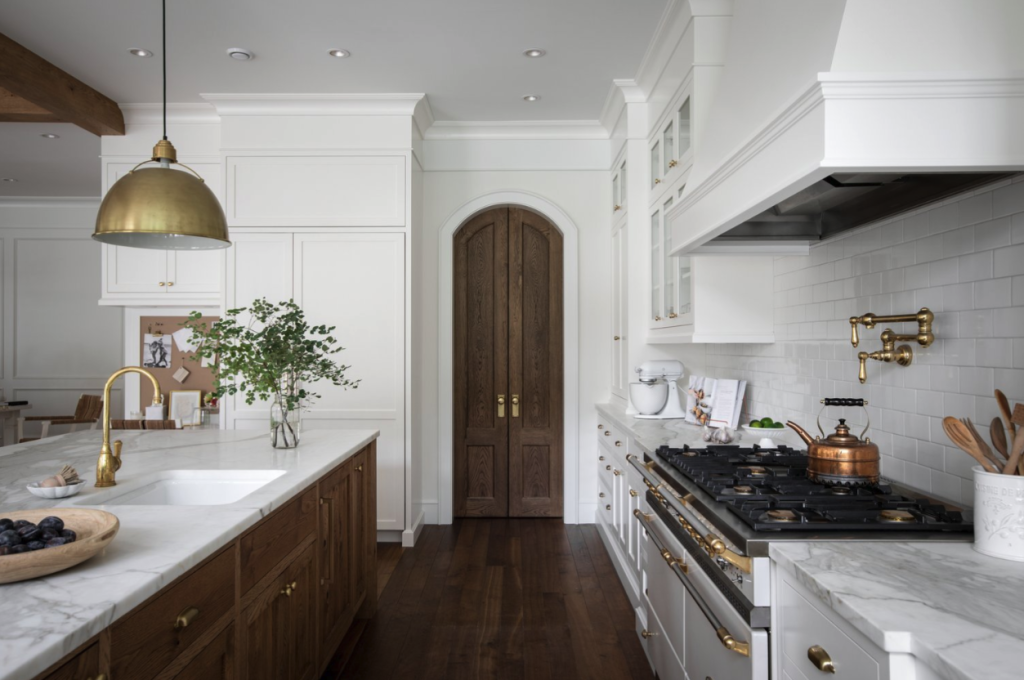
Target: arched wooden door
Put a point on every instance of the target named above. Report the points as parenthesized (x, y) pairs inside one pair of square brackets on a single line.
[(508, 374)]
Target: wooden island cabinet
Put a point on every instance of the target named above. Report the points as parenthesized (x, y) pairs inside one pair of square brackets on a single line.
[(274, 604)]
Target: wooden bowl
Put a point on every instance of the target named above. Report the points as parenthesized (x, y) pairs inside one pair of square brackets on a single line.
[(95, 529)]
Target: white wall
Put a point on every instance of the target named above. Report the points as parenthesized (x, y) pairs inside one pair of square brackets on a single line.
[(57, 343), (584, 195), (963, 259)]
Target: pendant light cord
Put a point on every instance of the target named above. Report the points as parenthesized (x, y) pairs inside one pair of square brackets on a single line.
[(163, 47)]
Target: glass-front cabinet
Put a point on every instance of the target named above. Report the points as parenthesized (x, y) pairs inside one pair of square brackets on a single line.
[(671, 289), (619, 190), (670, 147)]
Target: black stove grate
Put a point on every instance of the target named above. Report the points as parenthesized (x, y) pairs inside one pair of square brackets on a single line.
[(770, 491)]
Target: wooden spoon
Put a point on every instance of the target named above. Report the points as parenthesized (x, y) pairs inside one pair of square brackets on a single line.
[(961, 436), (1004, 408), (1015, 456), (999, 437), (982, 444), (1018, 419)]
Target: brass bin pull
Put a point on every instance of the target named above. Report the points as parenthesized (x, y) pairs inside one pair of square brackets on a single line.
[(515, 405), (290, 588), (821, 660), (501, 405), (186, 617)]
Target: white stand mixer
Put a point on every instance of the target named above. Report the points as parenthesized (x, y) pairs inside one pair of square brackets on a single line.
[(656, 395)]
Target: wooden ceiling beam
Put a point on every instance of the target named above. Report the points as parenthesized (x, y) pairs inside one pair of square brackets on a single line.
[(37, 88)]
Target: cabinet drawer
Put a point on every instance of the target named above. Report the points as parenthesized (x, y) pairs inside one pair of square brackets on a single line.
[(666, 664), (82, 666), (665, 593), (802, 626), (275, 537), (152, 636), (215, 662), (612, 436)]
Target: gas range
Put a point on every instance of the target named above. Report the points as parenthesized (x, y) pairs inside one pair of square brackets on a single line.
[(769, 490)]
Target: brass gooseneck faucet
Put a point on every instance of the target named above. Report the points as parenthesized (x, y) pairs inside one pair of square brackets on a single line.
[(902, 355), (109, 461)]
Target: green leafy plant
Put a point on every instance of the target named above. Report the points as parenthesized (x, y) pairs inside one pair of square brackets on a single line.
[(275, 354)]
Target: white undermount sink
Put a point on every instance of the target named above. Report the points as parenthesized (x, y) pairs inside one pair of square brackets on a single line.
[(184, 487)]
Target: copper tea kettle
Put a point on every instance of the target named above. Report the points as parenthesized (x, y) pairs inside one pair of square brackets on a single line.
[(841, 457)]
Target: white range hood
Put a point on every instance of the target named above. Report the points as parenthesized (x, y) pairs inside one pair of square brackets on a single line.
[(831, 114)]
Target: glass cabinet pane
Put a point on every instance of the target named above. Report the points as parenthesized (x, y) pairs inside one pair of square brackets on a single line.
[(685, 284), (615, 191), (668, 143), (668, 263), (656, 265), (655, 163), (683, 130), (623, 187)]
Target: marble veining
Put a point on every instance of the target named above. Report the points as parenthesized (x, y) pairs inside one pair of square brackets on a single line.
[(956, 610), (45, 619)]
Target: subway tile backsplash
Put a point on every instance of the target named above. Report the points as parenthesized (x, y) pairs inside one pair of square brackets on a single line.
[(964, 259)]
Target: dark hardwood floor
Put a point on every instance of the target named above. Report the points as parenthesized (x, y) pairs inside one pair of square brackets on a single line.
[(528, 599)]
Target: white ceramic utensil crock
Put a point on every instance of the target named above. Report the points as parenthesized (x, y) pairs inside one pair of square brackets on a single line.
[(999, 514)]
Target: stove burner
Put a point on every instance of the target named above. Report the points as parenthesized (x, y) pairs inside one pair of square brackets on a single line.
[(841, 491), (743, 490), (780, 516), (895, 516), (688, 453), (754, 470)]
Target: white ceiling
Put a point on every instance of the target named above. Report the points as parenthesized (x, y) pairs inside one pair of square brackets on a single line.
[(69, 166)]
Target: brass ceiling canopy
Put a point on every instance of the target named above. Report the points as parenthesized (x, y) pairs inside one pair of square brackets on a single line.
[(160, 207)]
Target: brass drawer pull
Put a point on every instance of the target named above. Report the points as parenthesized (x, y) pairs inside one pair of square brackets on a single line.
[(600, 427), (633, 493), (600, 494), (162, 284), (186, 617), (821, 660), (645, 633), (618, 443), (616, 472), (607, 433), (170, 283), (290, 588), (642, 516), (607, 507), (607, 467), (600, 457), (359, 468)]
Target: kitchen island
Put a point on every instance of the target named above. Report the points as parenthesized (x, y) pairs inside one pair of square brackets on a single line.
[(236, 550)]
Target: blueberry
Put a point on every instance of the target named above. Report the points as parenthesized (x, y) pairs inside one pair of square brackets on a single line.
[(10, 538), (36, 545), (69, 535), (52, 523), (30, 532), (18, 549), (19, 523), (48, 534), (6, 524), (55, 542)]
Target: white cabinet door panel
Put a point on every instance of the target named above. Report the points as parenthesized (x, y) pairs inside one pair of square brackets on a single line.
[(357, 283), (194, 271), (342, 191), (136, 270)]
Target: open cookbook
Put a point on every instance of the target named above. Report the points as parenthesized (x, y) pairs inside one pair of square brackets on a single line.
[(716, 403)]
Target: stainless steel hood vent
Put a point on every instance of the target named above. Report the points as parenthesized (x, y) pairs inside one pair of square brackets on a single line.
[(847, 200)]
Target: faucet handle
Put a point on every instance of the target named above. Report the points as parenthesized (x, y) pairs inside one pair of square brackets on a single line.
[(854, 337), (116, 446), (862, 375)]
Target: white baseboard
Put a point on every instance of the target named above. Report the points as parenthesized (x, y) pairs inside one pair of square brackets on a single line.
[(389, 536), (410, 536), (428, 509), (587, 513)]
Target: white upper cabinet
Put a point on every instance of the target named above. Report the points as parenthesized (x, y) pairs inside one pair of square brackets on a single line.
[(316, 191)]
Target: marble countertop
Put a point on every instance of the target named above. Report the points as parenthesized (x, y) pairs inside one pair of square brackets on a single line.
[(45, 619), (958, 611)]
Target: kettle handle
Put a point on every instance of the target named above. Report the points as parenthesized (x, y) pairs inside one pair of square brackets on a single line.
[(842, 401)]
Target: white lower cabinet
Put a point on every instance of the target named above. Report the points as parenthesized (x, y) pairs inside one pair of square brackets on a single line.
[(618, 497), (356, 282)]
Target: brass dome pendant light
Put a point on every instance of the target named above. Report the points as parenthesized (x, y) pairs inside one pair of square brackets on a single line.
[(160, 207)]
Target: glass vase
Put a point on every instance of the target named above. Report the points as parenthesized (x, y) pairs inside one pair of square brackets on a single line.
[(285, 424)]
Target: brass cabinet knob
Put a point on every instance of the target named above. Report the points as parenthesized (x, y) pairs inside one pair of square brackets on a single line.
[(359, 468), (633, 493), (607, 467), (607, 507), (618, 443), (501, 405), (821, 660), (617, 208), (616, 472), (161, 284), (657, 318), (607, 433), (170, 283), (186, 617), (600, 457), (673, 163), (673, 315), (600, 427), (600, 494), (645, 633), (657, 181), (616, 338), (290, 588)]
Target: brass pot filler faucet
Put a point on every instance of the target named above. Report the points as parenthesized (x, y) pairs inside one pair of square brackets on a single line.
[(902, 355), (109, 461)]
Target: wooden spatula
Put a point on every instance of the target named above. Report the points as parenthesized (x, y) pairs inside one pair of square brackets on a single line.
[(961, 436), (999, 437), (982, 444), (1004, 408), (1018, 444), (1013, 466)]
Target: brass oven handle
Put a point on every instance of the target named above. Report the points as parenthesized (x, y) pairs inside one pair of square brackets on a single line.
[(671, 559), (186, 617), (731, 643), (515, 405), (501, 405), (821, 660)]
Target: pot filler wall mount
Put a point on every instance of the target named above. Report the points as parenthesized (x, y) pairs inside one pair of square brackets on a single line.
[(902, 355), (656, 395)]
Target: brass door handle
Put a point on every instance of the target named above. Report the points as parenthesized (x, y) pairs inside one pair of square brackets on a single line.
[(501, 405), (186, 617), (515, 405), (290, 588), (359, 468), (821, 660)]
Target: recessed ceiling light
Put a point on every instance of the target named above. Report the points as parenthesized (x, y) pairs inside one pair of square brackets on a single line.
[(139, 52), (50, 135), (531, 97), (240, 53), (340, 54), (10, 179), (534, 53)]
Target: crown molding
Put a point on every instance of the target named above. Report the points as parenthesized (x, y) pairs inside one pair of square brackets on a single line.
[(517, 129), (398, 104), (423, 116), (178, 114)]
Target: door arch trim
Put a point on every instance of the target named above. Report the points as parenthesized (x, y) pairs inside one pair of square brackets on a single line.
[(570, 341)]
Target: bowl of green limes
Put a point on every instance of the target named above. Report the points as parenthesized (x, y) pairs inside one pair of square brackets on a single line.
[(765, 427)]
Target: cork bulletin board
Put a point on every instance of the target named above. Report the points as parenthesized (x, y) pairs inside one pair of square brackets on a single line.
[(199, 378)]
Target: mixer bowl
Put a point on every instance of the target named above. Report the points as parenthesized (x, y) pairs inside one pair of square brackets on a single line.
[(648, 399)]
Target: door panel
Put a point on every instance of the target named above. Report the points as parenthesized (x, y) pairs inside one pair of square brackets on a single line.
[(481, 360), (535, 365)]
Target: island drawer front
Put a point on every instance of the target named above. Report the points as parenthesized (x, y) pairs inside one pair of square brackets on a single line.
[(85, 664), (610, 434), (143, 643), (802, 626), (276, 536)]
